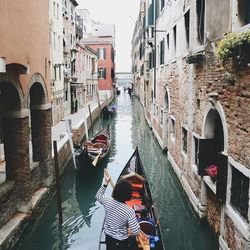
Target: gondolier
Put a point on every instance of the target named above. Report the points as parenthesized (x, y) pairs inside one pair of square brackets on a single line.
[(119, 216), (149, 236)]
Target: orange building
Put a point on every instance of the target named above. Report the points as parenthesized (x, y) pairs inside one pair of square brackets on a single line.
[(106, 66), (25, 106)]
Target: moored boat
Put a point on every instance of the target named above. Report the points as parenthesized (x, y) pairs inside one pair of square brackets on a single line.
[(107, 112), (143, 205), (94, 150)]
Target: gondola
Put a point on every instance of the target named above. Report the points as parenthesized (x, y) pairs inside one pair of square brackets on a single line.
[(107, 112), (141, 201), (94, 150)]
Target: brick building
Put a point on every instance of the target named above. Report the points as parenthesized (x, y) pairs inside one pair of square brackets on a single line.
[(25, 103), (198, 106)]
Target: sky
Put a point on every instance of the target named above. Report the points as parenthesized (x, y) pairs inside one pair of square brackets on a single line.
[(121, 13)]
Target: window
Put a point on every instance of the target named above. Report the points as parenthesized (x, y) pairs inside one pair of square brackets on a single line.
[(57, 11), (195, 140), (101, 53), (200, 9), (54, 9), (102, 73), (172, 128), (162, 4), (161, 117), (168, 41), (187, 26), (244, 12), (239, 192), (162, 52), (54, 39), (184, 140), (174, 32)]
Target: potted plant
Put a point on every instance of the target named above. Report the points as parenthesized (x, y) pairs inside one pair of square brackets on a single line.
[(236, 47)]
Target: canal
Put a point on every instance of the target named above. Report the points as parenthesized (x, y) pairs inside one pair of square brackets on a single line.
[(83, 216)]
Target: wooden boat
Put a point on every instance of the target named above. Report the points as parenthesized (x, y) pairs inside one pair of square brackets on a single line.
[(141, 200), (94, 150), (107, 112)]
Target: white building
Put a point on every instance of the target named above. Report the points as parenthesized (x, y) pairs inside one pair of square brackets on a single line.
[(56, 59)]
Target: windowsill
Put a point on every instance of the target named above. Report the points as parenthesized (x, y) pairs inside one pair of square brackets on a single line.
[(210, 183), (184, 154), (194, 168), (238, 221)]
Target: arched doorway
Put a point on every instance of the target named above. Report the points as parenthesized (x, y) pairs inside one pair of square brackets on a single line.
[(213, 164), (15, 133), (40, 130)]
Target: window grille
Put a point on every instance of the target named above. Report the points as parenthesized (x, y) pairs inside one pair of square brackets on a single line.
[(239, 193), (184, 140)]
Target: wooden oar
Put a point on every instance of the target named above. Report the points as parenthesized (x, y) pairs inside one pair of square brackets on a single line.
[(94, 162), (141, 237), (108, 176)]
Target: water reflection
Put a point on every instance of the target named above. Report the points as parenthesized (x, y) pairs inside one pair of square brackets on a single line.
[(83, 216)]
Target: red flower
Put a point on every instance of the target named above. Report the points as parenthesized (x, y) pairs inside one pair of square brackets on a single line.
[(211, 170)]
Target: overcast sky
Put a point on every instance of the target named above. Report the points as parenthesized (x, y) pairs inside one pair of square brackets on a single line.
[(121, 13)]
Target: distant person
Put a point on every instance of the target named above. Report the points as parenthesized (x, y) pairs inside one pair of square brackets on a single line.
[(119, 216), (129, 91)]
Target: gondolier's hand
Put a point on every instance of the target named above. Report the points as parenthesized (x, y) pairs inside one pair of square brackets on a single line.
[(106, 179)]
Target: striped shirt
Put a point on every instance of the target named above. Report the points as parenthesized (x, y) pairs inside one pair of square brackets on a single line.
[(119, 216)]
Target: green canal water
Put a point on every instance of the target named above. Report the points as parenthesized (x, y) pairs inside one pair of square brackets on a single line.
[(83, 216)]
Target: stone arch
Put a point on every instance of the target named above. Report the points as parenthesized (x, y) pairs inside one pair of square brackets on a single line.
[(214, 108), (37, 89), (215, 146), (14, 125), (40, 125)]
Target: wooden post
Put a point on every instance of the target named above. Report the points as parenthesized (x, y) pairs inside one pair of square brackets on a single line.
[(91, 121), (58, 187), (98, 99), (99, 105), (106, 100)]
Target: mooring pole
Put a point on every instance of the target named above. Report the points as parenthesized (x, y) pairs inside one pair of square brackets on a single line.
[(99, 105), (91, 121), (58, 187), (68, 128)]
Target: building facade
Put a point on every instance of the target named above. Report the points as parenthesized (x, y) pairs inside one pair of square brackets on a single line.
[(69, 52), (25, 103), (56, 59), (197, 105), (106, 64)]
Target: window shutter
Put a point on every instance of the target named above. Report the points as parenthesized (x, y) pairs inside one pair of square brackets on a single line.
[(104, 73), (221, 183), (206, 154), (104, 53), (98, 53)]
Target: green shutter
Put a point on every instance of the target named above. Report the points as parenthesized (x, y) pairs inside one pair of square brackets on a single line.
[(104, 73), (104, 53), (221, 183)]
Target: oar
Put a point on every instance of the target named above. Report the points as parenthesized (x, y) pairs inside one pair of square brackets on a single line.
[(141, 236), (108, 176), (94, 162)]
